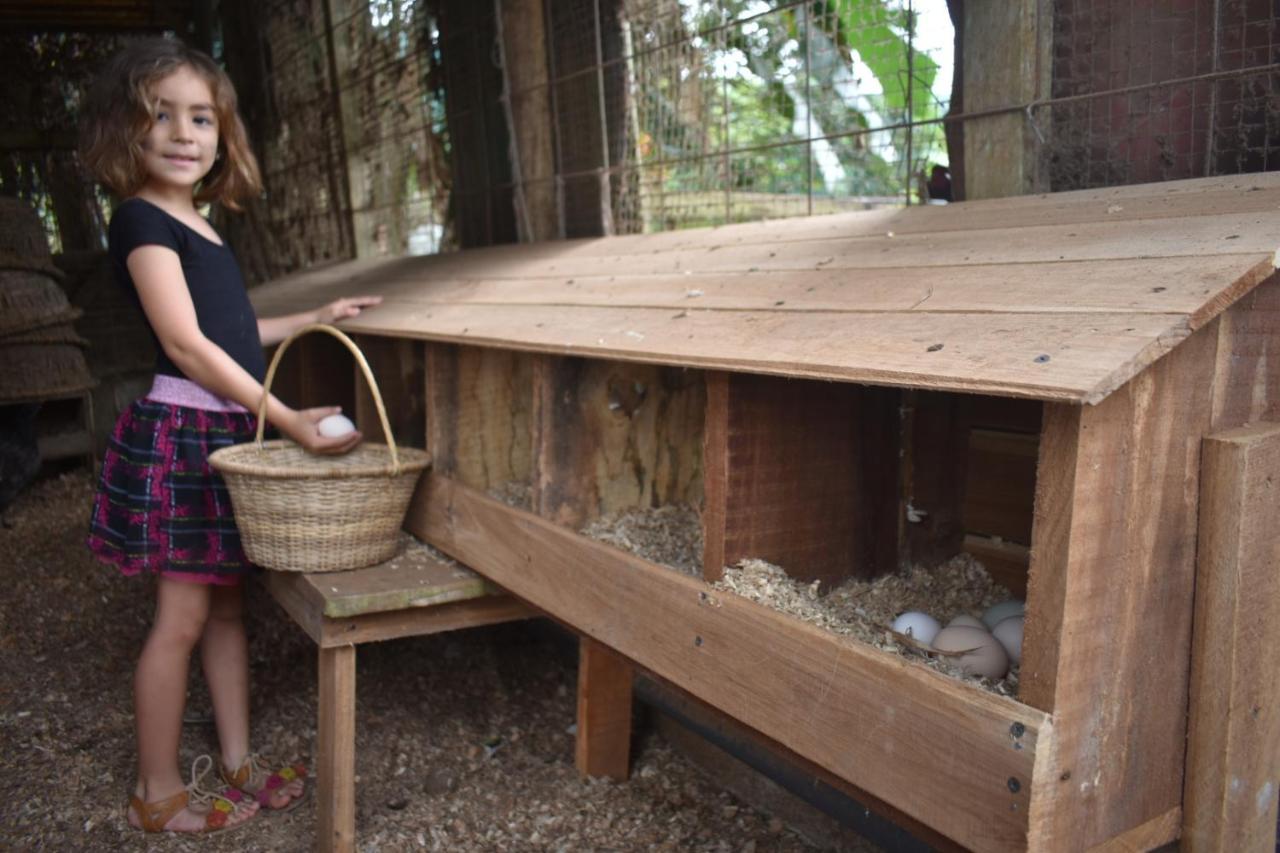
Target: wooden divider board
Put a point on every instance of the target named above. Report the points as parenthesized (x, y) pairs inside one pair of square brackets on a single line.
[(802, 474), (610, 436), (951, 755), (480, 414)]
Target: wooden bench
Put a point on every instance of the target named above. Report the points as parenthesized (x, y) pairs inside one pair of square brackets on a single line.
[(413, 594)]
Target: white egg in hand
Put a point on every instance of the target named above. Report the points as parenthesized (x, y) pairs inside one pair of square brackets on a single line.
[(921, 626), (335, 426)]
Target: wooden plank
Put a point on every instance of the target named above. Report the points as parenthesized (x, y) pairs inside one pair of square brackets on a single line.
[(1110, 599), (689, 709), (336, 766), (1234, 730), (612, 436), (1187, 237), (435, 619), (1246, 384), (1002, 413), (1113, 206), (479, 411), (292, 592), (603, 745), (398, 368), (413, 578), (986, 354), (1152, 835), (1150, 285), (810, 477), (868, 717), (1000, 486), (1006, 562)]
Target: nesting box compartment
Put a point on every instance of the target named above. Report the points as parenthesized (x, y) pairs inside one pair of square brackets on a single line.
[(1029, 381)]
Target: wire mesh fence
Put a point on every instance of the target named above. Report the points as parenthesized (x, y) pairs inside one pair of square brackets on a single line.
[(386, 126)]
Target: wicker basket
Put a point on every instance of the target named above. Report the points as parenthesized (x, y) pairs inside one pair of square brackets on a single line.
[(299, 512)]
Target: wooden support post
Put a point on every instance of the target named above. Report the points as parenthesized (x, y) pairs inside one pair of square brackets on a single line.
[(336, 769), (1233, 755), (604, 711), (1110, 601)]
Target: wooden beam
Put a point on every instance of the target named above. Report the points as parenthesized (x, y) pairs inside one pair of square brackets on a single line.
[(336, 766), (390, 625), (871, 718), (809, 476), (603, 746), (722, 728), (1110, 599), (1233, 738), (1002, 65), (526, 81)]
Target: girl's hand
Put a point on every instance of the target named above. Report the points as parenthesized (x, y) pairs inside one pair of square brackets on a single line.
[(302, 428), (349, 306)]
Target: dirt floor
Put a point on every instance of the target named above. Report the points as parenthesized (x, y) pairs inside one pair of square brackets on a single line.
[(464, 741)]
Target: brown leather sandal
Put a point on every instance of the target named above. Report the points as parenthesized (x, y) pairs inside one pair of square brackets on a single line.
[(154, 816), (255, 778)]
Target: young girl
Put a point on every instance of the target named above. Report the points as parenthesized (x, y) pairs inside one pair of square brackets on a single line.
[(162, 133)]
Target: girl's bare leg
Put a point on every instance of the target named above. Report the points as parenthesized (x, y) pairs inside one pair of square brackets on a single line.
[(224, 655), (224, 650), (160, 693)]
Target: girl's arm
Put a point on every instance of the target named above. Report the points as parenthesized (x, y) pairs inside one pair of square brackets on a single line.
[(157, 274), (273, 330)]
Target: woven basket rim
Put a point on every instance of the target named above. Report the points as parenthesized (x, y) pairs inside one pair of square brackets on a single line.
[(227, 461)]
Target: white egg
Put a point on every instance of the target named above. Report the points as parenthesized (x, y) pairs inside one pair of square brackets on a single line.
[(335, 426), (983, 654), (997, 613), (921, 626), (1009, 633), (966, 621)]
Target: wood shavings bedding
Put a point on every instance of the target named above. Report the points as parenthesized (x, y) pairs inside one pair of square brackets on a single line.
[(668, 535), (863, 609)]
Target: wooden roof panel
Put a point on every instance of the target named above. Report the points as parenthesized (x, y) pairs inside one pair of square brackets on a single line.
[(1053, 297)]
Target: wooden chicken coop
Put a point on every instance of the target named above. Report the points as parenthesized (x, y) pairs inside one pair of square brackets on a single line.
[(1079, 389)]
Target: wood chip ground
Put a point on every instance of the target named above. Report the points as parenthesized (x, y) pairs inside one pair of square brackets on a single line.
[(464, 740)]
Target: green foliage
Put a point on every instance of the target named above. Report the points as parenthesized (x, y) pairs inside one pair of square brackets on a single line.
[(786, 75)]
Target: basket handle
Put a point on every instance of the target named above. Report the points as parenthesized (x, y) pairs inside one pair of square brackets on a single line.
[(364, 367)]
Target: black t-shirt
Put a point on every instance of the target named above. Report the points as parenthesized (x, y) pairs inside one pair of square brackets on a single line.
[(213, 279)]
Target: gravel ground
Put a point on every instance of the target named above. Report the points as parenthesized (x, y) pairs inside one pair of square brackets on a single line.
[(464, 740)]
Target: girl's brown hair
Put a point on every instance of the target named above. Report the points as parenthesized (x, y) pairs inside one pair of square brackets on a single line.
[(121, 108)]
